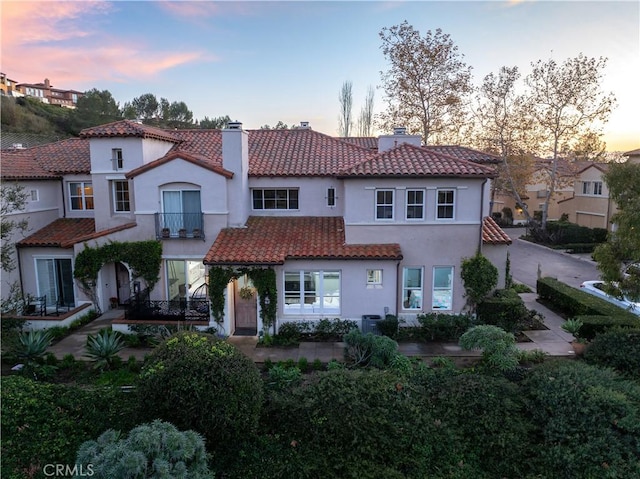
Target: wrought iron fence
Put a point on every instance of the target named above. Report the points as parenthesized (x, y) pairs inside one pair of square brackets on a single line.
[(179, 225), (141, 308)]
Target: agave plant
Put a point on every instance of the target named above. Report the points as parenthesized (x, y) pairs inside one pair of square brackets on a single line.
[(103, 348), (33, 345)]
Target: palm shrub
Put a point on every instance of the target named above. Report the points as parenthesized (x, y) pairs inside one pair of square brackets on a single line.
[(499, 351), (33, 345), (150, 451), (103, 348), (197, 381)]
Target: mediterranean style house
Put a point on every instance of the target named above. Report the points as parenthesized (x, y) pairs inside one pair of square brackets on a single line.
[(349, 228)]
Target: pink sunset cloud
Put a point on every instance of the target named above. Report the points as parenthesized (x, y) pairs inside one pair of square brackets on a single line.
[(31, 31)]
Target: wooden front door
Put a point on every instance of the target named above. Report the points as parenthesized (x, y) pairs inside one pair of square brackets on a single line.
[(246, 307)]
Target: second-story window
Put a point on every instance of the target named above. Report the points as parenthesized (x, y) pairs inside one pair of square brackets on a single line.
[(331, 196), (446, 204), (81, 195), (116, 158), (121, 196), (275, 199), (384, 204), (415, 204)]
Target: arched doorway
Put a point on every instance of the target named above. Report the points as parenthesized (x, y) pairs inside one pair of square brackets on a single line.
[(123, 282)]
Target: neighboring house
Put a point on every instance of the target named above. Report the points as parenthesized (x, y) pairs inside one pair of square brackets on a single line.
[(349, 230), (7, 85), (47, 94), (633, 156)]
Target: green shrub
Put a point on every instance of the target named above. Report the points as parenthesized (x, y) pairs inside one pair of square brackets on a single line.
[(499, 351), (196, 381), (593, 325), (505, 310), (565, 233), (587, 421), (317, 365), (618, 349), (303, 364), (103, 349), (282, 378), (388, 326), (479, 277), (369, 349), (573, 302), (520, 288), (443, 327), (46, 423), (150, 451)]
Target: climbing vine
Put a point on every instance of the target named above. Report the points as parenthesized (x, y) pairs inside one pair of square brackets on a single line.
[(144, 258), (264, 279)]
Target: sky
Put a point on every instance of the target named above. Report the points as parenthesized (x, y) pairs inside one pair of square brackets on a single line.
[(269, 61)]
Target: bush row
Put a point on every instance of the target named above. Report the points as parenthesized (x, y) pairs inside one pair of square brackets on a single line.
[(564, 233), (323, 330)]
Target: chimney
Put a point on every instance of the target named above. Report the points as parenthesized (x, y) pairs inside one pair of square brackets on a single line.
[(386, 142), (47, 84), (235, 158), (304, 125)]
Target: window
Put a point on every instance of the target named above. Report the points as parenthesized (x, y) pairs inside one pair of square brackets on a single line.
[(184, 278), (116, 158), (282, 199), (597, 187), (331, 196), (445, 204), (415, 204), (374, 276), (311, 292), (81, 195), (442, 288), (586, 187), (592, 188), (181, 212), (34, 195), (55, 280), (412, 288), (121, 196), (384, 204)]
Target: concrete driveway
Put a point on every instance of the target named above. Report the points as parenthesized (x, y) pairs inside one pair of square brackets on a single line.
[(529, 258)]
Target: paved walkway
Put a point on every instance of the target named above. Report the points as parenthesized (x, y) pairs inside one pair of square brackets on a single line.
[(554, 342)]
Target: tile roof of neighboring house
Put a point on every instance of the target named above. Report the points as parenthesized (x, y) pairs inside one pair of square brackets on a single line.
[(492, 233), (409, 160), (273, 240), (128, 128), (370, 142), (196, 160), (65, 232), (52, 160), (585, 165), (632, 152), (464, 153)]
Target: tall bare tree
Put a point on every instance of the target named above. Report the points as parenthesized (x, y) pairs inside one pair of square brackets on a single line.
[(345, 120), (566, 102), (365, 119), (427, 83)]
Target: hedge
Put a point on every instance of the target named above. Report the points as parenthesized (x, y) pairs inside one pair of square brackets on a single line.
[(573, 302), (505, 310), (618, 349), (593, 325)]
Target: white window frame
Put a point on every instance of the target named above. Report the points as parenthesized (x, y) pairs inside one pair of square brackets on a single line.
[(415, 205), (409, 292), (452, 204), (54, 258), (264, 200), (321, 299), (114, 190), (83, 196), (34, 196), (331, 197), (597, 188), (437, 291), (385, 204), (374, 277), (586, 187), (117, 159)]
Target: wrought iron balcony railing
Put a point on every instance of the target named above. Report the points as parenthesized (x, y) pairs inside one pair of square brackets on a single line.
[(141, 308), (180, 225)]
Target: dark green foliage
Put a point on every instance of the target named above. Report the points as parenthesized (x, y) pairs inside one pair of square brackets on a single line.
[(576, 248), (505, 310), (587, 420), (293, 332), (303, 364), (150, 451), (499, 351), (388, 326), (565, 233), (479, 276), (573, 302), (198, 382), (281, 378), (103, 348), (369, 349), (46, 423), (440, 327), (618, 349), (593, 325)]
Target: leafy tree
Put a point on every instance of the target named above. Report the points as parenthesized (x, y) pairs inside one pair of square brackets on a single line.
[(365, 119), (13, 200), (623, 244), (345, 98), (146, 106), (479, 276), (566, 102), (178, 114), (214, 123), (95, 108), (279, 126), (427, 82)]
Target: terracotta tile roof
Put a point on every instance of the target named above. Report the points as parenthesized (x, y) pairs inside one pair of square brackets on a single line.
[(273, 240), (196, 160), (409, 160), (585, 165), (492, 233), (52, 160), (464, 153), (128, 128), (369, 142), (65, 232)]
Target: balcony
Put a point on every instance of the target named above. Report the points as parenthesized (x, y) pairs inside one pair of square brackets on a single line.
[(180, 226)]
